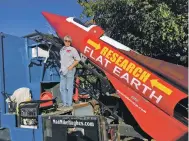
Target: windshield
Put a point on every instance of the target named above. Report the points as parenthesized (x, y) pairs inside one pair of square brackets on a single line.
[(79, 22)]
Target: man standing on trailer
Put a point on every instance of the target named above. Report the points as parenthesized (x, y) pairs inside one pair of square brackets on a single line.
[(69, 58)]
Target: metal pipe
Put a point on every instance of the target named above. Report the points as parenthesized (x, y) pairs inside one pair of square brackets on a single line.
[(3, 104)]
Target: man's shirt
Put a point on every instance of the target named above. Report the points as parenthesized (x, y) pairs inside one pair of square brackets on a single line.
[(67, 57)]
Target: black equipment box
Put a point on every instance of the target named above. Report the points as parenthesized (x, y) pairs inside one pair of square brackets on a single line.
[(28, 114), (29, 110), (71, 128)]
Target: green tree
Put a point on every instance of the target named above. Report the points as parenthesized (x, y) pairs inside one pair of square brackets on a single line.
[(156, 28)]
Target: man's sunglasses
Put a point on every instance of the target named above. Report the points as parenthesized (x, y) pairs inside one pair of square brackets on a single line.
[(67, 41)]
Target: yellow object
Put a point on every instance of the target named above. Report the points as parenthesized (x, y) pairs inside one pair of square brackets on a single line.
[(94, 44), (155, 83)]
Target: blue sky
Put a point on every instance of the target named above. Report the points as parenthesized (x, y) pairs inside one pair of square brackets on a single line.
[(21, 17)]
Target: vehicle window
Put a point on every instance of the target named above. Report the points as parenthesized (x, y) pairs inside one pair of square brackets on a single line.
[(79, 22)]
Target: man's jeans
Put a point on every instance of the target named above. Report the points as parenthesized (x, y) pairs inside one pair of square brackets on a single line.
[(66, 87)]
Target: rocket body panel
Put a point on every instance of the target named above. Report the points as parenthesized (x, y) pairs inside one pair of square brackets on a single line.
[(155, 122), (176, 73), (133, 75), (156, 98)]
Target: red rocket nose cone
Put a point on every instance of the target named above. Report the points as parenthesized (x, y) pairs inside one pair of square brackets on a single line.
[(54, 19)]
